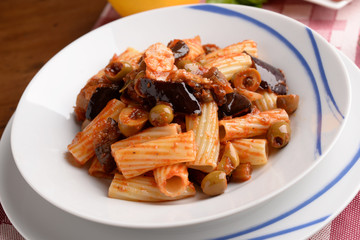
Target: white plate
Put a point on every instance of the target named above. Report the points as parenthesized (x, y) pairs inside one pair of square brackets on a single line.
[(330, 3), (297, 213), (44, 124)]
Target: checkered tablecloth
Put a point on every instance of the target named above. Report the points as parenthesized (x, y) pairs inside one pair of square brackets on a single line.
[(339, 27)]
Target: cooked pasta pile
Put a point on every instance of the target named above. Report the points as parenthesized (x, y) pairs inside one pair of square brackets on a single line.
[(160, 121)]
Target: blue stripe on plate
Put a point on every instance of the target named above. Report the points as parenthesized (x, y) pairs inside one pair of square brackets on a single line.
[(322, 71), (228, 12), (288, 230), (344, 171)]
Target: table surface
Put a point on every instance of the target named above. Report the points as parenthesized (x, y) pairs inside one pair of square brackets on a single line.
[(26, 46)]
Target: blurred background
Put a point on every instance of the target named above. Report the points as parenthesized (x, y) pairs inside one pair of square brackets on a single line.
[(31, 32)]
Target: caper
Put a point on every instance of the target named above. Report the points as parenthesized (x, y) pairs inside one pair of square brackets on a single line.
[(115, 71), (214, 183), (161, 115), (288, 102), (278, 134)]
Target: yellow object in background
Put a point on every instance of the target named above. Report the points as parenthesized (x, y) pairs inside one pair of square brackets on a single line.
[(128, 7)]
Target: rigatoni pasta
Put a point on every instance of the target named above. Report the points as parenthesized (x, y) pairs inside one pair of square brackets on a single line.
[(146, 135), (253, 151), (232, 59), (143, 189), (250, 125), (163, 118), (143, 157), (206, 131), (172, 180), (266, 102)]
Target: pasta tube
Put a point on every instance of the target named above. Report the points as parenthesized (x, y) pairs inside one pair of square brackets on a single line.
[(252, 96), (172, 180), (229, 65), (130, 55), (146, 135), (142, 188), (266, 102), (82, 145), (206, 130), (195, 48), (250, 125), (253, 151), (143, 157), (248, 46), (232, 59)]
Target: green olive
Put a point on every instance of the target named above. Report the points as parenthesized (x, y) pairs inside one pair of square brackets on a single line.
[(288, 102), (161, 115), (132, 120), (279, 134), (181, 63), (229, 160), (242, 173), (214, 183), (115, 71), (248, 79)]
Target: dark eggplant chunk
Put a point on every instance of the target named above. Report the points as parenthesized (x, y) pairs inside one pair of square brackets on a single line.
[(179, 48), (236, 105), (209, 48), (100, 98), (103, 153), (220, 86), (196, 176), (109, 134), (178, 94), (271, 78)]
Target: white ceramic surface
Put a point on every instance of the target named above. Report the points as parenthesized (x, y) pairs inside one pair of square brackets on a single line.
[(44, 123), (297, 213), (331, 3)]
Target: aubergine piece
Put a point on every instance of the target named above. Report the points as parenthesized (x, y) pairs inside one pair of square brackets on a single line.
[(271, 78), (102, 144), (220, 86), (178, 94), (179, 48), (235, 105), (99, 99)]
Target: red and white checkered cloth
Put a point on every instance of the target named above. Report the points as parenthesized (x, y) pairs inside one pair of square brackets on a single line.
[(342, 29)]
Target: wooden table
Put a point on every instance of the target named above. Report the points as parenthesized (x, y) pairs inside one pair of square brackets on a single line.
[(31, 32)]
